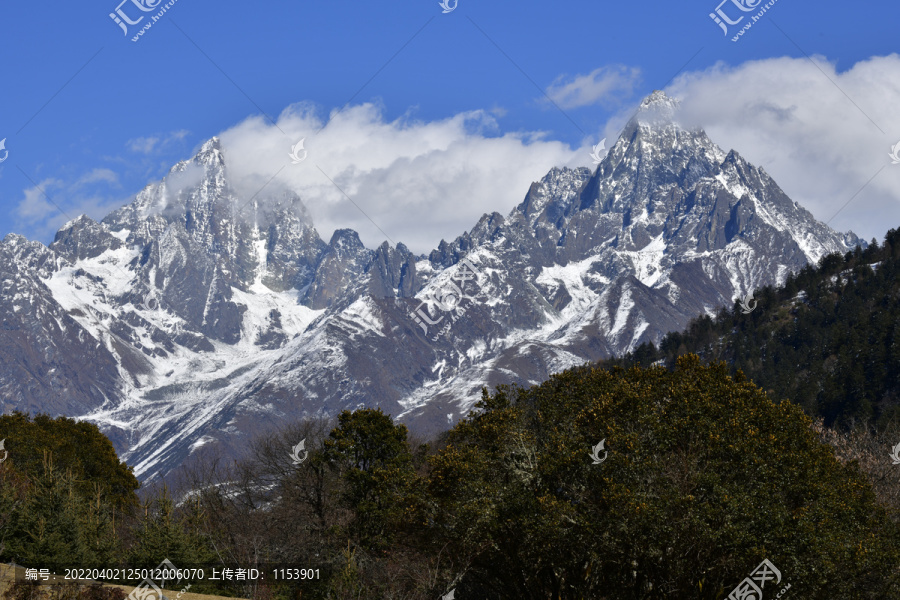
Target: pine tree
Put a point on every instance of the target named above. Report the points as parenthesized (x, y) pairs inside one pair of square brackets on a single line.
[(164, 532), (13, 495), (376, 465), (50, 529), (98, 524)]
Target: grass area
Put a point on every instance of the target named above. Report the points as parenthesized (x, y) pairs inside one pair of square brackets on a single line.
[(8, 575)]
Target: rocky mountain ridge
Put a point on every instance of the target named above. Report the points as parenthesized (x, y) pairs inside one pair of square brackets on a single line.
[(195, 316)]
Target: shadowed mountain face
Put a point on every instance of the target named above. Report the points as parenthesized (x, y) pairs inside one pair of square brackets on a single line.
[(195, 316)]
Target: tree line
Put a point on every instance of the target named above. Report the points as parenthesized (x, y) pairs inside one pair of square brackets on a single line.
[(828, 339)]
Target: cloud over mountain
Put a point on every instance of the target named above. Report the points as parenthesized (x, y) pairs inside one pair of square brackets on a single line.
[(419, 182)]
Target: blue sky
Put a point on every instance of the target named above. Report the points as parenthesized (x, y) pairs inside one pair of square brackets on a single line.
[(90, 116)]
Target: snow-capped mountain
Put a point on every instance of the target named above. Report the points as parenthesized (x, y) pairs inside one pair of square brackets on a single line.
[(195, 316)]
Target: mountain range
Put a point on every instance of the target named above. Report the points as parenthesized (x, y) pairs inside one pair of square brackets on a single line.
[(194, 316)]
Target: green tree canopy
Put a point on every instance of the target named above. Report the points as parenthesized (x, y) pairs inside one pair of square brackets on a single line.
[(705, 477), (376, 464), (165, 532), (75, 447), (55, 526)]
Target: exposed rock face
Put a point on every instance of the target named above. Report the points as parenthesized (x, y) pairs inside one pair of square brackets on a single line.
[(83, 238), (48, 361), (195, 316)]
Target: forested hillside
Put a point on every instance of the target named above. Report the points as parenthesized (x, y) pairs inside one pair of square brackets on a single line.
[(829, 339)]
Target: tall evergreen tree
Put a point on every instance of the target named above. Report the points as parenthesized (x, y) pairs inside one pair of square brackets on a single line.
[(50, 528), (165, 532), (374, 459)]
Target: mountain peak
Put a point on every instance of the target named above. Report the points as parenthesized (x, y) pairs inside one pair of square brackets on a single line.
[(80, 220), (659, 99), (346, 240), (83, 237), (14, 239), (211, 153), (657, 109)]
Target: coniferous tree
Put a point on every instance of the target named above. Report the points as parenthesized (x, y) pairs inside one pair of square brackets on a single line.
[(50, 528), (376, 465), (164, 532), (103, 547), (13, 496)]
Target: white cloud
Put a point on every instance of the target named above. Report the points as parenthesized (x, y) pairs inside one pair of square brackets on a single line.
[(143, 145), (606, 85), (53, 202), (96, 175), (149, 144), (35, 206), (812, 134), (419, 182)]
